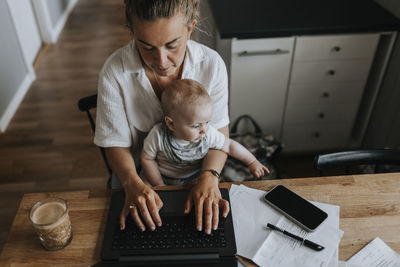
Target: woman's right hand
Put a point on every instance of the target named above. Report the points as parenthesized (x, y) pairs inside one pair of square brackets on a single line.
[(143, 203)]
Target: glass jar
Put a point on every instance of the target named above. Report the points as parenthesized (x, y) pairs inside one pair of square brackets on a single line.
[(51, 221)]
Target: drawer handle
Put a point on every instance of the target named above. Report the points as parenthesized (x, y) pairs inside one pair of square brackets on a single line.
[(321, 115), (336, 49), (278, 51), (325, 94), (317, 135), (331, 72)]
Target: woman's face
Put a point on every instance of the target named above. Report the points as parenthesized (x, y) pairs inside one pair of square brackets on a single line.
[(162, 43)]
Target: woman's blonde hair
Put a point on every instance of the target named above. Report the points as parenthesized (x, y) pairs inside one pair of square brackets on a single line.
[(150, 10)]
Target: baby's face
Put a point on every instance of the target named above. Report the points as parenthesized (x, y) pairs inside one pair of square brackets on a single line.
[(192, 124)]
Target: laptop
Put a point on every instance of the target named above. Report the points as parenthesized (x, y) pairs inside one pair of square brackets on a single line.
[(175, 243)]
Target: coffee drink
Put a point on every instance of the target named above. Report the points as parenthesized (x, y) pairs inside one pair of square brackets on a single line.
[(51, 221), (48, 213)]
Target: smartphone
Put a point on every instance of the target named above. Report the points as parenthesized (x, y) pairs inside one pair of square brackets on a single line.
[(296, 208)]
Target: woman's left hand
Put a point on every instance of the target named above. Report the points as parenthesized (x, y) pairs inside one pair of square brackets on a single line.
[(207, 199)]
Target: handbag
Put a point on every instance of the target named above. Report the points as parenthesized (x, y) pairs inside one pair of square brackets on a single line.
[(264, 147)]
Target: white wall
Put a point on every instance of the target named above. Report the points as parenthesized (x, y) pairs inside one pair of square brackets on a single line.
[(26, 27), (16, 75), (20, 44), (52, 16)]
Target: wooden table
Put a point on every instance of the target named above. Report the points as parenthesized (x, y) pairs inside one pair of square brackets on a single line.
[(369, 207)]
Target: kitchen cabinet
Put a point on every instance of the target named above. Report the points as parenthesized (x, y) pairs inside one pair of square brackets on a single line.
[(259, 78), (323, 95), (336, 69), (305, 90)]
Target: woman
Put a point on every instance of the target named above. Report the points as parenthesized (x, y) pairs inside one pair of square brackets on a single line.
[(130, 86)]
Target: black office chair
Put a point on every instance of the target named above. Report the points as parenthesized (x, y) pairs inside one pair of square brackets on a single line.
[(86, 104), (346, 159)]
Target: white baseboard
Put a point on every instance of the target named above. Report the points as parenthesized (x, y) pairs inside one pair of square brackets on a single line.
[(16, 101), (55, 33)]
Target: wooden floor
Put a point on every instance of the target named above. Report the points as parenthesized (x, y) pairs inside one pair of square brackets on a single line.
[(48, 145)]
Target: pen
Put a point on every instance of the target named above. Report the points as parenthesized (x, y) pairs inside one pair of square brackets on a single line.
[(305, 242)]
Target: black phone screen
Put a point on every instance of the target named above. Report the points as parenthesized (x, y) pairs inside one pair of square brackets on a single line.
[(299, 209)]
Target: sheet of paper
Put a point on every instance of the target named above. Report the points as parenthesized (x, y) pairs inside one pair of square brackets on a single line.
[(376, 254), (334, 222), (247, 204), (254, 241), (334, 262), (346, 264), (279, 250)]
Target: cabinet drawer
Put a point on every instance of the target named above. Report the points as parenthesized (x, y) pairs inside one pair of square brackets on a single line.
[(261, 70), (309, 48), (330, 71), (265, 105), (265, 46), (259, 80), (310, 137), (326, 94), (320, 114)]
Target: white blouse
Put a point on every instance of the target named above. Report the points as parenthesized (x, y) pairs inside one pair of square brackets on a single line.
[(127, 107)]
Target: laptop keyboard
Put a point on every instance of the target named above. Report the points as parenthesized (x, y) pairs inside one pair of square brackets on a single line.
[(175, 233)]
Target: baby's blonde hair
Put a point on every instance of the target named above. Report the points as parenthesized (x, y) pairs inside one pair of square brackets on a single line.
[(182, 93)]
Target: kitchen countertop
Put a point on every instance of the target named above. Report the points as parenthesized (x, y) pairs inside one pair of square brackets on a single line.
[(268, 18)]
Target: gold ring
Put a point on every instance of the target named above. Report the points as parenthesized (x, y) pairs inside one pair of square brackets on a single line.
[(132, 206)]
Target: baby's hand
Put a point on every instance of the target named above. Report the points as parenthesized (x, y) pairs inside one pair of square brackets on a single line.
[(257, 169)]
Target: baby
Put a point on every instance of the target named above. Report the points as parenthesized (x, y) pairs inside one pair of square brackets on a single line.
[(173, 150)]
